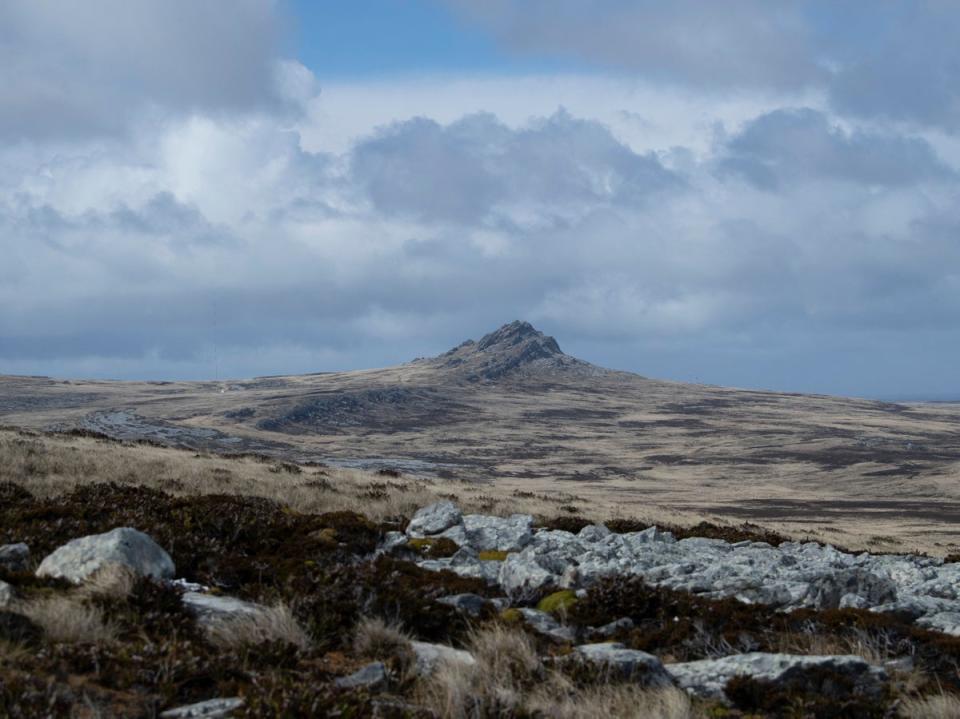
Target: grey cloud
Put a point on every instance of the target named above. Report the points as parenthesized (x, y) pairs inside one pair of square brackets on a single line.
[(738, 43), (475, 166), (70, 69), (882, 60), (796, 144)]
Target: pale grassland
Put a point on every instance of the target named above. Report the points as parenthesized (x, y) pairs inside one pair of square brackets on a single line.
[(52, 464), (941, 706), (271, 624)]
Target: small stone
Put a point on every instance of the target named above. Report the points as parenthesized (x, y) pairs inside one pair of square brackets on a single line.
[(210, 709), (434, 519), (213, 607), (15, 557), (372, 676), (544, 624), (6, 594), (78, 559), (608, 630), (430, 656)]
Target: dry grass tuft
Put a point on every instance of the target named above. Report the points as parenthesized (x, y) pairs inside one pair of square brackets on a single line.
[(376, 639), (613, 700), (70, 620), (938, 706), (272, 624)]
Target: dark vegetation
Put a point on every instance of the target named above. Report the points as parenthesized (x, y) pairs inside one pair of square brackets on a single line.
[(321, 567)]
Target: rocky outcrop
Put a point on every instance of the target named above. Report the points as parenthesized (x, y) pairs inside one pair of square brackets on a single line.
[(77, 560), (434, 519), (708, 677), (15, 557), (790, 576)]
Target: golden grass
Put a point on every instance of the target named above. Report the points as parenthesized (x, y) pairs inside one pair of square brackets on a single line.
[(71, 620), (271, 624), (938, 706)]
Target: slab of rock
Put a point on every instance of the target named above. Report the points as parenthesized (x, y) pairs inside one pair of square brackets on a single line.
[(372, 676), (210, 709), (78, 559), (15, 557), (485, 534), (433, 519), (618, 662), (214, 607), (608, 630), (430, 656), (707, 678)]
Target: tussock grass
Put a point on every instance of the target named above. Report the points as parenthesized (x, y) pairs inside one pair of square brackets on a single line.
[(272, 624), (71, 620), (938, 706)]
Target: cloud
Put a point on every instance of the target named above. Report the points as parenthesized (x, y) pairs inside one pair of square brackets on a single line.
[(800, 144), (476, 166), (871, 60), (710, 45), (71, 70)]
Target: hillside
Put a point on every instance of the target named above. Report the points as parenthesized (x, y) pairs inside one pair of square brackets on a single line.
[(513, 409)]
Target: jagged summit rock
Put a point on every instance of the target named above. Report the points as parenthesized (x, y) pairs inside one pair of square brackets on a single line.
[(517, 348)]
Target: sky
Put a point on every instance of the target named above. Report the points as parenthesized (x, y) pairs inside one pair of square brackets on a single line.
[(743, 193)]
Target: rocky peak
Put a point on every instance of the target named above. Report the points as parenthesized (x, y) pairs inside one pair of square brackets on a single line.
[(517, 348)]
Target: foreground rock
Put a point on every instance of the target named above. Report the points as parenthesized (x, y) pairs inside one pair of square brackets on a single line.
[(707, 678), (77, 560), (210, 709), (15, 557), (617, 662), (210, 608), (790, 576)]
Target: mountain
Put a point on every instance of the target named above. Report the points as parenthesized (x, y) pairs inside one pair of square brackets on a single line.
[(513, 408)]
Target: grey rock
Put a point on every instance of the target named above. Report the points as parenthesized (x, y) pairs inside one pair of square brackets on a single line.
[(78, 559), (391, 541), (708, 677), (15, 557), (544, 624), (828, 590), (211, 607), (471, 604), (501, 534), (372, 676), (521, 574), (608, 630), (622, 663), (6, 594), (430, 656), (433, 519), (210, 709), (946, 622)]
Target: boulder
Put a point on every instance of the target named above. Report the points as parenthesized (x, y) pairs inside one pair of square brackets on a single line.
[(433, 519), (521, 574), (617, 662), (498, 534), (608, 630), (78, 559), (15, 557), (430, 656), (210, 709), (373, 676), (707, 678), (854, 587)]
